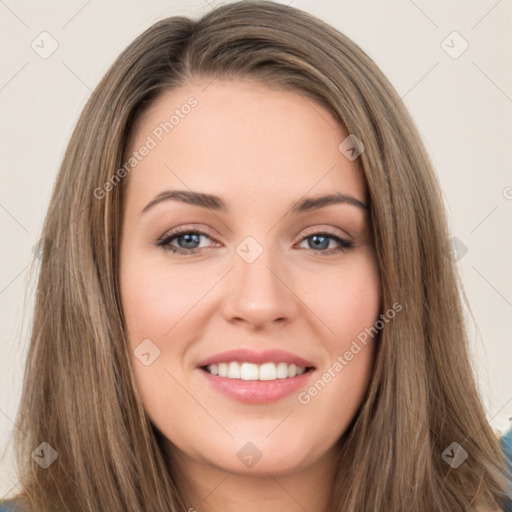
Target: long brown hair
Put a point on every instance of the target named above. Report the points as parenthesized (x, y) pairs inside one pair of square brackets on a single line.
[(79, 394)]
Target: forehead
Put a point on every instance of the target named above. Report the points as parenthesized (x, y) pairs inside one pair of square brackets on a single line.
[(241, 135)]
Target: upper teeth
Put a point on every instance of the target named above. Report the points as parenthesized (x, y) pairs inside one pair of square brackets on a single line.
[(250, 371)]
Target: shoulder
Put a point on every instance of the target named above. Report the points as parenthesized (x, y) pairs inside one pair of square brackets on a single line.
[(6, 506), (506, 444)]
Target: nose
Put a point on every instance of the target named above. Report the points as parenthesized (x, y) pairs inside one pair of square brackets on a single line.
[(259, 293)]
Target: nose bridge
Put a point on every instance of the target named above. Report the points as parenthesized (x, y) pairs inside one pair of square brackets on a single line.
[(259, 291)]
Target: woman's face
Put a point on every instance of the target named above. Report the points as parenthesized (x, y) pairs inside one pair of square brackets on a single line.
[(276, 285)]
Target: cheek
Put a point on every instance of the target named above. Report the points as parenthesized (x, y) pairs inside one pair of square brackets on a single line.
[(350, 302), (154, 298), (162, 305), (350, 307), (154, 303)]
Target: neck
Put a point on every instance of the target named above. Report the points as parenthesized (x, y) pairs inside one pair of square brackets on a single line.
[(208, 488)]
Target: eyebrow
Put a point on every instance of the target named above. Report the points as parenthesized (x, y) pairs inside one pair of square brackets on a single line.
[(213, 202)]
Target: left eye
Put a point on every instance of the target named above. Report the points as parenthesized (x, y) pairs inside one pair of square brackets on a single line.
[(190, 239), (321, 240)]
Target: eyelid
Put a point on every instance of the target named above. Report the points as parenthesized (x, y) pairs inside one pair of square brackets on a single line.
[(308, 231), (328, 230), (185, 229), (345, 243)]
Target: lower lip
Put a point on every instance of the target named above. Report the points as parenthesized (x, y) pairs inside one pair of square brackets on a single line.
[(257, 391)]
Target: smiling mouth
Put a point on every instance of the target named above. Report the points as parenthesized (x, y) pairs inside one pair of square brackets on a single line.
[(256, 372)]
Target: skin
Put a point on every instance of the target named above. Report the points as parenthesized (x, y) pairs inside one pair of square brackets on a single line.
[(260, 150)]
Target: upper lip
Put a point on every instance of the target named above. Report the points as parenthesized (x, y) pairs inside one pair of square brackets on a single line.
[(257, 357)]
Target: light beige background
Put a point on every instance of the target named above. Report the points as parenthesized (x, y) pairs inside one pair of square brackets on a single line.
[(462, 107)]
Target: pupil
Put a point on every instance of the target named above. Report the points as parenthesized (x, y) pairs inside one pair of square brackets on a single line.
[(188, 239), (315, 238), (193, 239)]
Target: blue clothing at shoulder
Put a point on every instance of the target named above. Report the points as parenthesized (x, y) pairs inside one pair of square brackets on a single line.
[(506, 443), (5, 507)]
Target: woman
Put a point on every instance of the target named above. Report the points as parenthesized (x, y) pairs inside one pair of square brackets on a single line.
[(261, 369)]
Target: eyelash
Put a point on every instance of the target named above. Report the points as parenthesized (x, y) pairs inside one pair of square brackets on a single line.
[(164, 242)]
